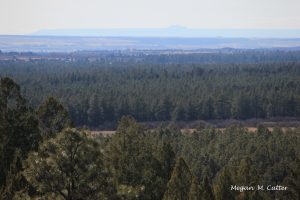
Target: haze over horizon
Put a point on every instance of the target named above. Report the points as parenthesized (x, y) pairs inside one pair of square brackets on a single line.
[(31, 16), (168, 24), (173, 31)]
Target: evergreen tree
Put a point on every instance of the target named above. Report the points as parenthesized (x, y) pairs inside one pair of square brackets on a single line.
[(191, 112), (246, 175), (223, 185), (292, 181), (206, 190), (164, 109), (70, 166), (14, 181), (178, 113), (123, 149), (222, 107), (136, 170), (194, 193), (167, 158), (208, 111), (95, 112), (179, 185), (53, 117), (19, 133), (241, 108)]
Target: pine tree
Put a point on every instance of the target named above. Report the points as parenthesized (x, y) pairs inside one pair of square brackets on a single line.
[(19, 132), (178, 113), (191, 112), (164, 109), (292, 181), (208, 110), (194, 193), (223, 110), (246, 175), (14, 180), (70, 166), (53, 117), (179, 185), (167, 158), (206, 190), (222, 189), (94, 112), (135, 168)]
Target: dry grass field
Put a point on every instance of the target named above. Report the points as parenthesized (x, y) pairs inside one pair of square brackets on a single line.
[(187, 131)]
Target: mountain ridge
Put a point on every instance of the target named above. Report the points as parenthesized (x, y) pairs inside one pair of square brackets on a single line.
[(172, 31)]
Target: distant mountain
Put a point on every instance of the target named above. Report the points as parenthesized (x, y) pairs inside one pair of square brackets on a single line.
[(174, 31)]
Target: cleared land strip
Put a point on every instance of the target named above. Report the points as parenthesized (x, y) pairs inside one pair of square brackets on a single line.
[(185, 130)]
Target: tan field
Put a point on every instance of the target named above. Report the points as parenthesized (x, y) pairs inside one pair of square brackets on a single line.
[(106, 133)]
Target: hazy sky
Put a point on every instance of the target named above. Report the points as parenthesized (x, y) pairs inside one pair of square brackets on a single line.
[(27, 16)]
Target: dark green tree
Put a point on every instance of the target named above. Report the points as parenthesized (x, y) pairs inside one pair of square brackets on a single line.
[(95, 112), (18, 133), (208, 110), (223, 107), (167, 158), (164, 107), (53, 117), (206, 190), (179, 185), (194, 193), (178, 113), (137, 171), (292, 181), (223, 186), (70, 166)]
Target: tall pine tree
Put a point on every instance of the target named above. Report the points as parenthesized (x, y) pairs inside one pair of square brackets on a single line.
[(179, 185)]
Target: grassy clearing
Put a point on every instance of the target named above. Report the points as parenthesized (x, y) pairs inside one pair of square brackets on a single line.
[(107, 133)]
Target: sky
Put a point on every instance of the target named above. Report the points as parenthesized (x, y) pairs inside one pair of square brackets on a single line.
[(28, 16)]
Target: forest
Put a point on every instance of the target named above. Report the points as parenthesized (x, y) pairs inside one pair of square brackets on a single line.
[(229, 84), (48, 107), (45, 156), (149, 99)]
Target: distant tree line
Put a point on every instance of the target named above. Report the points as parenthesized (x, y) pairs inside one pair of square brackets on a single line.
[(95, 93), (167, 56)]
